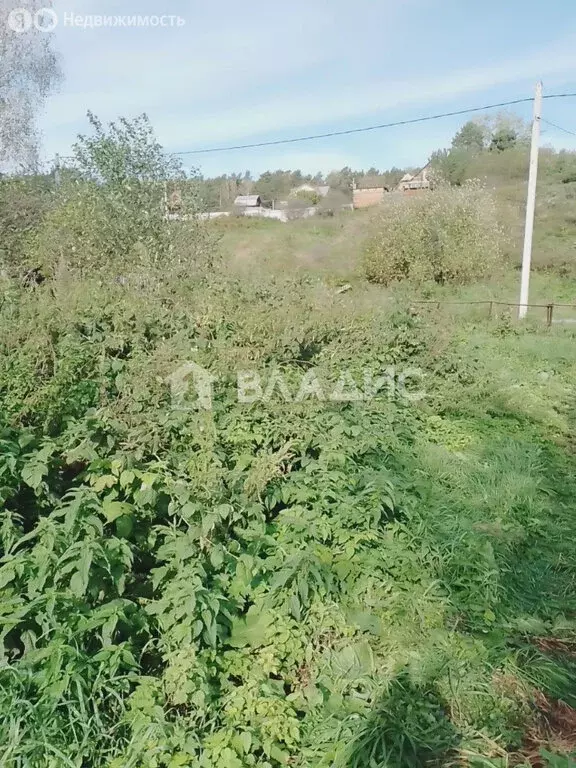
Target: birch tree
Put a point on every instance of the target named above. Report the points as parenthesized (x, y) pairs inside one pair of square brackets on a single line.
[(29, 71)]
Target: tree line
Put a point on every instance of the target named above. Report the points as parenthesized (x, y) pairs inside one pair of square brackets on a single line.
[(219, 192)]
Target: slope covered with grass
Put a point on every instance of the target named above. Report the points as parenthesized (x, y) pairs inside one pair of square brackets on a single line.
[(378, 582)]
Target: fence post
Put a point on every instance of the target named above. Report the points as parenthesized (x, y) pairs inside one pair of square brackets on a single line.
[(491, 309), (549, 312)]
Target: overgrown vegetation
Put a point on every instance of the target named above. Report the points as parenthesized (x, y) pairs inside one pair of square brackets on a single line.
[(448, 236), (368, 580), (108, 210)]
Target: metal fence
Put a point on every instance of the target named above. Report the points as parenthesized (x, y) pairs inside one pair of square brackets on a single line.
[(491, 304)]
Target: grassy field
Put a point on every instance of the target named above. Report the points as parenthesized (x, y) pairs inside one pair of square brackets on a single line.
[(327, 570), (330, 248)]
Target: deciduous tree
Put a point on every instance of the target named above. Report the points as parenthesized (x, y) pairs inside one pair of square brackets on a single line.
[(471, 137), (29, 71)]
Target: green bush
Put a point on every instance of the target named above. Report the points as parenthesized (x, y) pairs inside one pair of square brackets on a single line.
[(449, 235), (308, 196), (308, 581), (110, 209)]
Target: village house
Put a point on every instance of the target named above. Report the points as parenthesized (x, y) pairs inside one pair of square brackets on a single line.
[(321, 190), (410, 184), (366, 198), (248, 201)]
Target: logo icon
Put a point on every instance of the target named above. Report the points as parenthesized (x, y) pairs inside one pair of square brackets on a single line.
[(46, 20), (22, 20), (202, 380), (19, 20)]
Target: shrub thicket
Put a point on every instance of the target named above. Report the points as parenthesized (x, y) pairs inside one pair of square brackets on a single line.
[(449, 235), (110, 209)]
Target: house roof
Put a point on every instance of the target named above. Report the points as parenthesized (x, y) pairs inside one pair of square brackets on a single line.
[(320, 190), (248, 201), (417, 181)]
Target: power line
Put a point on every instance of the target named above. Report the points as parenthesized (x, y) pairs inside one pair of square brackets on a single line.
[(349, 131), (558, 96), (559, 127), (353, 130), (381, 126)]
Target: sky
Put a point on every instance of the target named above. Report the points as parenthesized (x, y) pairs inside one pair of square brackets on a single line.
[(239, 72)]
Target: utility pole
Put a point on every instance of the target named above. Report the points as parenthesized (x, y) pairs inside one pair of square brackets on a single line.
[(530, 203), (57, 170)]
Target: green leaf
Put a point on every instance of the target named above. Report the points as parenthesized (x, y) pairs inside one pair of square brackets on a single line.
[(313, 695), (25, 439), (295, 607), (79, 581), (127, 477), (103, 482), (114, 509), (7, 574), (242, 742), (216, 557), (148, 480), (365, 658), (254, 630), (32, 474), (108, 630), (277, 754), (557, 761), (224, 510), (228, 759), (366, 622), (197, 628), (209, 520), (124, 526), (77, 584), (210, 633)]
